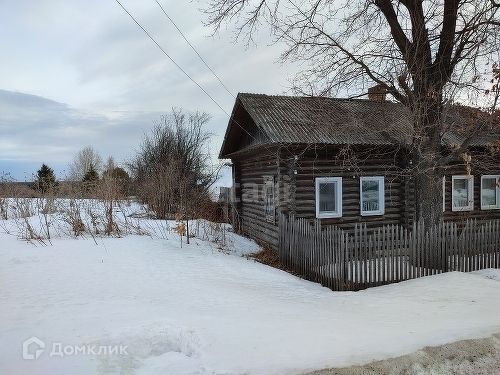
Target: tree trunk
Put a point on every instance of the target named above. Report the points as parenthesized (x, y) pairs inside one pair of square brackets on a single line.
[(429, 196), (428, 171), (109, 214)]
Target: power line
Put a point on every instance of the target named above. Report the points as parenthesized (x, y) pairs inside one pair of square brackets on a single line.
[(193, 48), (187, 74), (182, 70), (171, 59)]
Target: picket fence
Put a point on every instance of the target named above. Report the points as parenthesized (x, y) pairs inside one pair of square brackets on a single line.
[(362, 258)]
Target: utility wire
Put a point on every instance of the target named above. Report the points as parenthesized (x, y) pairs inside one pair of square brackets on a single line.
[(182, 70), (171, 59), (194, 48), (187, 74)]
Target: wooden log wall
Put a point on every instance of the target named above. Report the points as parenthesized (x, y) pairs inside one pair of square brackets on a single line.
[(296, 167), (326, 161), (477, 212), (305, 163), (250, 171)]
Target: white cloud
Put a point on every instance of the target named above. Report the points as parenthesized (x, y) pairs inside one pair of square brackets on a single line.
[(114, 80), (37, 130)]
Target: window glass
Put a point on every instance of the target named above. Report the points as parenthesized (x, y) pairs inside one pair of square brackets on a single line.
[(269, 203), (461, 193), (372, 195), (328, 196), (269, 200), (370, 192), (489, 191)]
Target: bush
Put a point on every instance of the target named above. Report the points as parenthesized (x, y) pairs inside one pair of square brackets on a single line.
[(172, 172), (45, 180)]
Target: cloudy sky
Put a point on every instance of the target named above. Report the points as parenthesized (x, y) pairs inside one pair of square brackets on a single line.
[(77, 73)]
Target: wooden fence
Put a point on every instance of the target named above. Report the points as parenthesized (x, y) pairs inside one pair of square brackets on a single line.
[(364, 258)]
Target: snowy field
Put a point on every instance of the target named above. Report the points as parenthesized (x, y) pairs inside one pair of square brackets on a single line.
[(197, 310)]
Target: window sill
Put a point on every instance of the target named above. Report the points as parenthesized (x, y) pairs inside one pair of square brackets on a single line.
[(329, 216), (462, 209), (373, 213), (489, 208)]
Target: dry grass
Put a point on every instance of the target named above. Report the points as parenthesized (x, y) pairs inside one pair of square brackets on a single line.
[(269, 257), (466, 357)]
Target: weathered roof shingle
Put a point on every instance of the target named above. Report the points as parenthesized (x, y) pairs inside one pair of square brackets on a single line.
[(323, 120)]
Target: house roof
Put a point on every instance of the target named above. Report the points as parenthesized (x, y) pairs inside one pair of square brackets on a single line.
[(323, 120)]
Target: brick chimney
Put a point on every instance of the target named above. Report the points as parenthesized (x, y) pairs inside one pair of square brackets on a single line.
[(377, 93)]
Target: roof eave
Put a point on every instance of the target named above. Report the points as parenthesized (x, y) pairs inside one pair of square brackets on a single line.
[(222, 153)]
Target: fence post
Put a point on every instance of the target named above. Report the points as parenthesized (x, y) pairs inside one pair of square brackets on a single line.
[(349, 261)]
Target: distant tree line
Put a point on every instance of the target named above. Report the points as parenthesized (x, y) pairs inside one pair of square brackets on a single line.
[(87, 176), (171, 172)]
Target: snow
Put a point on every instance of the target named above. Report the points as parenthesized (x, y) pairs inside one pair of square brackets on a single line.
[(198, 310), (493, 274), (378, 269)]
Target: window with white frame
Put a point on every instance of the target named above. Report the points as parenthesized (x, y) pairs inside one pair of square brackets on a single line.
[(462, 193), (490, 192), (372, 195), (328, 197)]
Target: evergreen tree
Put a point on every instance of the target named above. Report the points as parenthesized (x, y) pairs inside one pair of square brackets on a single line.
[(117, 173), (119, 178), (46, 179), (91, 175)]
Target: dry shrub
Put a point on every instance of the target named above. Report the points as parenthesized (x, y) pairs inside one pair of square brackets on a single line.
[(171, 171), (111, 192), (209, 210), (213, 232), (4, 208), (67, 211), (269, 257), (71, 209), (73, 217)]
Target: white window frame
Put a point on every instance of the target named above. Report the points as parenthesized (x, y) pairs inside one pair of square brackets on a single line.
[(381, 195), (470, 198), (490, 207), (338, 202)]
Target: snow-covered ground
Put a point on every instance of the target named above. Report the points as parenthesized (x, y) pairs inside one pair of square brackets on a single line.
[(197, 310)]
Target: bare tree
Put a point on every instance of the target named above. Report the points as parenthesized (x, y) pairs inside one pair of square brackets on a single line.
[(110, 164), (85, 160), (172, 168), (425, 53)]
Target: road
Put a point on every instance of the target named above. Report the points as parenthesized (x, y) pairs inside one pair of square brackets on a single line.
[(467, 357)]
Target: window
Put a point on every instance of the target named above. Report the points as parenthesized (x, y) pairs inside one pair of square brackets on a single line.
[(372, 195), (328, 197), (462, 193), (269, 207), (490, 192)]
